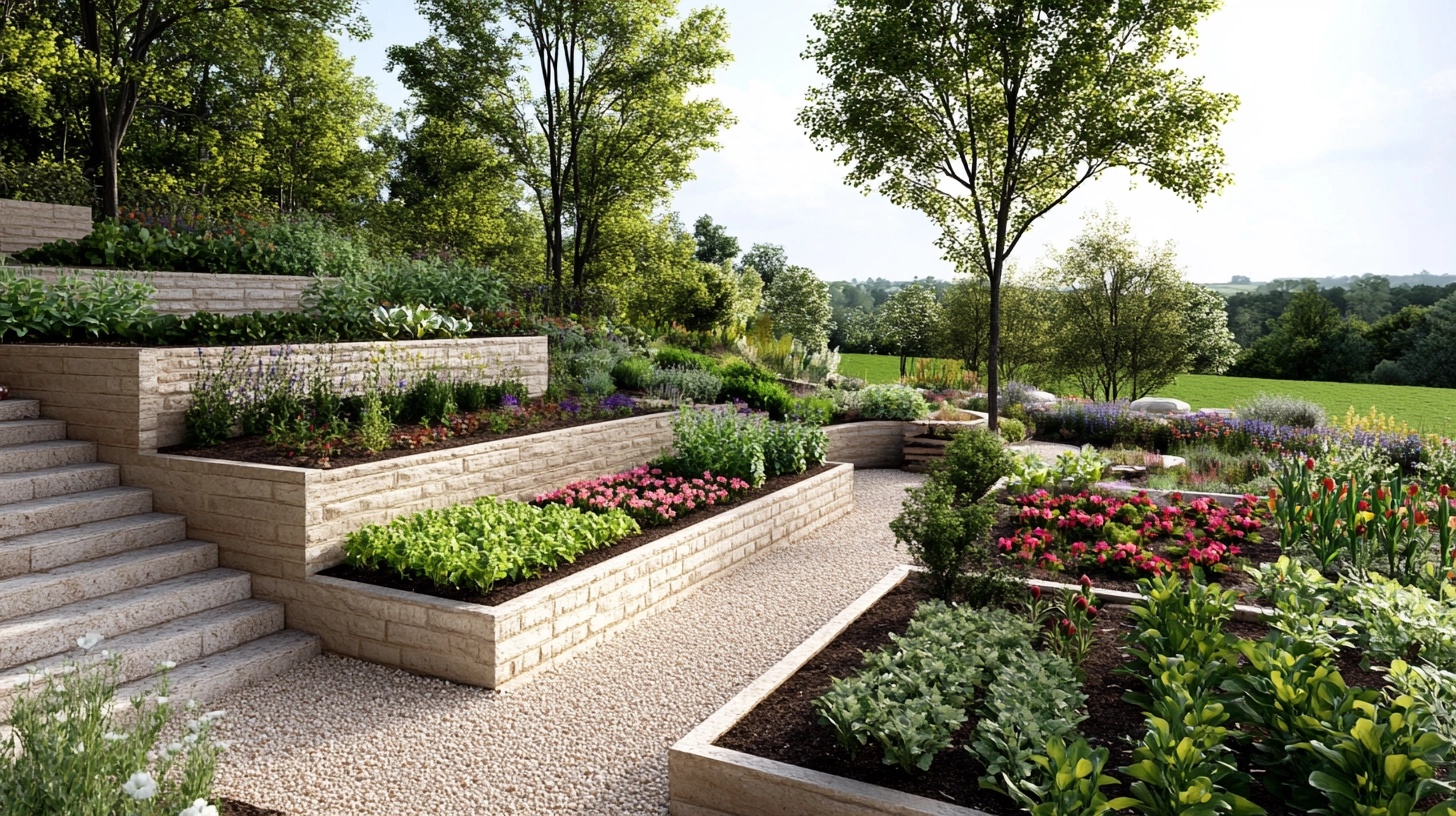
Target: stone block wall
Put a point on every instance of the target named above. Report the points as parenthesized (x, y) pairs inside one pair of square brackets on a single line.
[(495, 645), (182, 293), (136, 399), (868, 444), (27, 224)]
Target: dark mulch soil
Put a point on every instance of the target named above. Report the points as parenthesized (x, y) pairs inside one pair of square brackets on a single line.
[(783, 726), (255, 450), (502, 593), (232, 807)]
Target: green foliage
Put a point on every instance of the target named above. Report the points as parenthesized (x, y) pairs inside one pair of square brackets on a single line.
[(724, 443), (798, 303), (374, 423), (45, 182), (71, 308), (673, 357), (1379, 760), (351, 298), (793, 447), (690, 385), (479, 545), (1070, 472), (787, 357), (813, 410), (71, 751), (1068, 781), (1282, 409), (1033, 698), (907, 323), (891, 402), (760, 390), (633, 373), (1183, 766), (940, 534), (430, 400), (1011, 430), (1183, 619), (417, 323), (974, 461)]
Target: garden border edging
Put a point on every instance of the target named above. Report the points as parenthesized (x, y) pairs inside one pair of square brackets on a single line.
[(492, 646)]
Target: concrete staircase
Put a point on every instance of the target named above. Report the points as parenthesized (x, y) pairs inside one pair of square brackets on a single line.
[(80, 553)]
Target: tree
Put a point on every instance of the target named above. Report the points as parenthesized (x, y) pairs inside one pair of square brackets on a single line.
[(672, 286), (594, 102), (1211, 346), (1026, 329), (1309, 341), (768, 260), (986, 114), (798, 302), (715, 245), (1432, 361), (1368, 298), (965, 322), (1119, 324), (908, 322)]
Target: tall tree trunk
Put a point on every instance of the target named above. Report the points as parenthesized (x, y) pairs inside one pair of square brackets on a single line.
[(993, 348)]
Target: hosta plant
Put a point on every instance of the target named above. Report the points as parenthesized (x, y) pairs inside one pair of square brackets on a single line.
[(1183, 764), (1068, 781)]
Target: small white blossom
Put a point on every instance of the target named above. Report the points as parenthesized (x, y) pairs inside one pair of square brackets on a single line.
[(214, 715), (112, 736), (88, 641), (191, 704), (223, 745), (162, 700), (174, 747), (62, 717), (190, 739), (140, 786), (79, 748), (167, 665), (199, 807)]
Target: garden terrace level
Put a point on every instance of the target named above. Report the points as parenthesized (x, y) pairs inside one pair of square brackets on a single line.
[(184, 293)]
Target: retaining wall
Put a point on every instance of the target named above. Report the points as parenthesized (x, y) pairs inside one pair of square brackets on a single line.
[(867, 444), (182, 293), (129, 399), (27, 224)]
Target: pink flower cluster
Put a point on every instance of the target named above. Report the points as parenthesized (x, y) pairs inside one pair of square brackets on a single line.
[(647, 494), (1132, 535)]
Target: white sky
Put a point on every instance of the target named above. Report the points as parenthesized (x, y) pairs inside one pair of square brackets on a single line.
[(1341, 150)]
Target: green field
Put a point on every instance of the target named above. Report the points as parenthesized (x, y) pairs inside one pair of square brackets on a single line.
[(1429, 409)]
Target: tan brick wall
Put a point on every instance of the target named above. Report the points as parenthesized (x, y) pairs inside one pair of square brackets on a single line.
[(867, 444), (493, 646), (136, 399), (182, 293), (26, 224)]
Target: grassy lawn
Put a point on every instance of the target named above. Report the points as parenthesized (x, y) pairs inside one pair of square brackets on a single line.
[(1428, 409)]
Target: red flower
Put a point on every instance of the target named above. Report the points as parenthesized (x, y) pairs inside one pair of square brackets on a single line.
[(1329, 484), (1309, 464)]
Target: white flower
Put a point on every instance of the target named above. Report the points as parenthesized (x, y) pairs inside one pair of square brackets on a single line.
[(112, 736), (162, 700), (88, 641), (140, 786), (62, 716), (190, 739), (191, 704), (174, 748), (167, 665), (199, 807), (79, 748), (223, 745), (214, 715)]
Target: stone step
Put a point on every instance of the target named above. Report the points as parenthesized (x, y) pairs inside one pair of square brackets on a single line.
[(182, 640), (43, 634), (23, 431), (38, 591), (55, 512), (57, 481), (219, 675), (12, 409), (40, 552), (42, 455)]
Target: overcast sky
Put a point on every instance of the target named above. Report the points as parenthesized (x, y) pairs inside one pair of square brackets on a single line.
[(1342, 149)]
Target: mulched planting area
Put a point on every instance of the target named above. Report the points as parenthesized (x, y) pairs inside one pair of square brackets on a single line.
[(256, 450), (232, 807), (501, 594), (783, 726)]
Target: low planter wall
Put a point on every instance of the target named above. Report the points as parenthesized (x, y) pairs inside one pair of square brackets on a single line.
[(182, 293), (867, 444), (290, 522), (707, 780), (129, 399), (495, 645), (27, 224)]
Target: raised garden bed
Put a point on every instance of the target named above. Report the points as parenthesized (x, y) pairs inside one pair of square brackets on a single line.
[(490, 645), (183, 293)]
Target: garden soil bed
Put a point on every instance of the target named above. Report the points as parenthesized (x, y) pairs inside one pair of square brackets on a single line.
[(501, 594), (256, 450), (783, 726)]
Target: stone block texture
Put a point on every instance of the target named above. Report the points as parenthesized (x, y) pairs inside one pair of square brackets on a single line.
[(182, 293), (27, 224), (492, 646), (130, 400), (867, 444)]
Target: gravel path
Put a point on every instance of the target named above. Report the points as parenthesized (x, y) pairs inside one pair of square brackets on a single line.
[(339, 736)]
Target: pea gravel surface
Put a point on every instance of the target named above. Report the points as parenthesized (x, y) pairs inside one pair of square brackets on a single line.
[(340, 736)]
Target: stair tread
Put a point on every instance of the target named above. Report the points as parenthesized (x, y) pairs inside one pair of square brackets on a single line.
[(210, 677), (140, 641), (21, 431), (103, 565), (83, 467), (72, 498), (16, 513), (105, 526)]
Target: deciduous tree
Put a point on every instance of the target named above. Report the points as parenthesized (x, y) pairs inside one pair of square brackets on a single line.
[(798, 302)]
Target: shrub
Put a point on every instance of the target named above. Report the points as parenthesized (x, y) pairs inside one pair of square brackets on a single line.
[(70, 753), (72, 308), (891, 402), (721, 442), (744, 370), (49, 183), (634, 374), (1280, 409), (673, 357), (760, 395), (939, 534), (685, 385), (813, 410), (429, 401), (472, 395), (478, 545), (793, 447), (974, 460), (1012, 430)]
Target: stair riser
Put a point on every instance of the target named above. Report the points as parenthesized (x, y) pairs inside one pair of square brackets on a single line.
[(48, 591), (61, 552), (180, 641), (46, 455), (19, 487), (215, 677), (59, 636), (31, 430), (15, 522), (12, 409)]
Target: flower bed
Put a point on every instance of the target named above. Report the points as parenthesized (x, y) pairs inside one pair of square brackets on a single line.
[(1188, 700), (490, 645)]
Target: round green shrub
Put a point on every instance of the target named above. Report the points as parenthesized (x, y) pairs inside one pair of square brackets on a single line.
[(973, 461), (1012, 430), (674, 357), (633, 373), (892, 402)]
